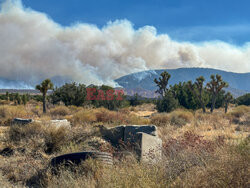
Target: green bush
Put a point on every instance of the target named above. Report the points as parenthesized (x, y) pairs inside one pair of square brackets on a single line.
[(244, 100), (167, 104), (69, 94)]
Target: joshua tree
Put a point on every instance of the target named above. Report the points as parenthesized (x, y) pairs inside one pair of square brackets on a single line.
[(162, 83), (17, 98), (227, 100), (214, 87), (7, 96), (199, 91), (43, 88), (24, 99)]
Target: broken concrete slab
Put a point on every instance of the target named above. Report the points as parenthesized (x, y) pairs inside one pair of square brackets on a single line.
[(148, 147), (60, 123), (21, 121), (55, 123), (126, 133), (114, 134), (141, 139), (131, 131)]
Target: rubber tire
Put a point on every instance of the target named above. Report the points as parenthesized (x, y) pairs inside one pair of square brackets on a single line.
[(77, 158)]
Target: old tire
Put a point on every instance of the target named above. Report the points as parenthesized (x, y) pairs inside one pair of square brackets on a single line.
[(77, 158)]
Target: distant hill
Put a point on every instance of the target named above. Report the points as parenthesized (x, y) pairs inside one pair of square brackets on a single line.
[(16, 84), (143, 82)]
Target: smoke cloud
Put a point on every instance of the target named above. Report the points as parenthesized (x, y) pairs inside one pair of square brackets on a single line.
[(34, 47)]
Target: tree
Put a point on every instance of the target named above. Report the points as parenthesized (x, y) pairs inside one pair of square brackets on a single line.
[(185, 96), (24, 99), (112, 104), (162, 83), (7, 96), (198, 90), (77, 94), (17, 99), (214, 87), (228, 98), (43, 88), (69, 94), (135, 100), (244, 100)]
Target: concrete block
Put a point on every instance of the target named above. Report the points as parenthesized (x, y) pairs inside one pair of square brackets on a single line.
[(114, 134), (148, 147), (60, 123), (131, 131)]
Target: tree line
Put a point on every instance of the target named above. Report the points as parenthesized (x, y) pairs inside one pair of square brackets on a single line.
[(192, 95), (188, 95)]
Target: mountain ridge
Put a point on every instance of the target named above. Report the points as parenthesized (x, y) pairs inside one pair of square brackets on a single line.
[(144, 80)]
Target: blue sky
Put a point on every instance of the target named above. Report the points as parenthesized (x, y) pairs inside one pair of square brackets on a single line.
[(183, 20)]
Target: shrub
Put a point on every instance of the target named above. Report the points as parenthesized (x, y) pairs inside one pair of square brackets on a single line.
[(49, 139), (227, 168), (4, 102), (60, 111), (82, 117), (244, 100), (4, 181), (37, 110), (10, 112), (136, 120), (160, 119), (4, 113), (178, 117), (187, 141), (181, 117), (167, 104), (69, 94), (105, 116), (239, 111), (127, 173), (19, 132), (54, 139)]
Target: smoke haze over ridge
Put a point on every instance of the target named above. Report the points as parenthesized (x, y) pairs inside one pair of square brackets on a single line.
[(34, 47)]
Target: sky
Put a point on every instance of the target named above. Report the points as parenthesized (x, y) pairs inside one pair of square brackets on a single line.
[(98, 41), (183, 20)]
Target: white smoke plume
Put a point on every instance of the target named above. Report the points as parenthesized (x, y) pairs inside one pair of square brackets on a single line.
[(34, 47)]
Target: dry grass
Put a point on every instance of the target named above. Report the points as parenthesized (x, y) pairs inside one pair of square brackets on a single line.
[(119, 118), (229, 167), (83, 117), (177, 118), (200, 150), (38, 137), (239, 111), (160, 119), (59, 111), (10, 112)]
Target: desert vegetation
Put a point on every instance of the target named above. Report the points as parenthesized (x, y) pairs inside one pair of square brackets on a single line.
[(199, 149), (192, 95)]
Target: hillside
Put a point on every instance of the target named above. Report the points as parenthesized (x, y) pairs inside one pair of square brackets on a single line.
[(142, 82)]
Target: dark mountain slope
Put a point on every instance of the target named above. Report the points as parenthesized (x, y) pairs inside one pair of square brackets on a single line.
[(239, 82)]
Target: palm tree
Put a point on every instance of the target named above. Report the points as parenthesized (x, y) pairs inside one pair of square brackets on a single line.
[(43, 88)]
